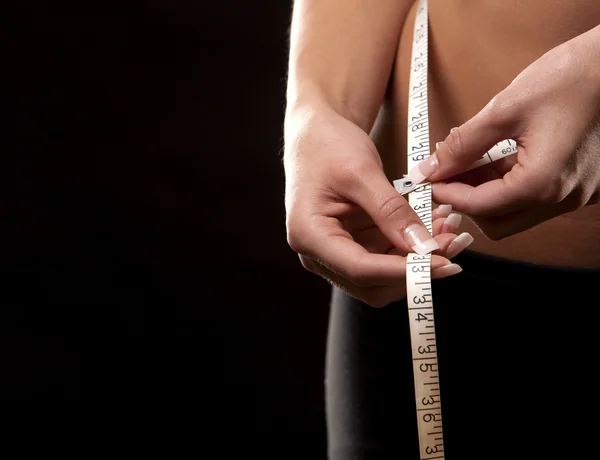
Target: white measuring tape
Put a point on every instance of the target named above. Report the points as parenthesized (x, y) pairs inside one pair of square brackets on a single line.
[(418, 273)]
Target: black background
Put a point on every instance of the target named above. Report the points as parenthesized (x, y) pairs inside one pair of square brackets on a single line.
[(146, 285)]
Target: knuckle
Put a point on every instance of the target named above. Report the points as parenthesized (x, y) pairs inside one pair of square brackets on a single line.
[(308, 264), (297, 229), (392, 207), (454, 147), (500, 109), (296, 241), (553, 192), (541, 190)]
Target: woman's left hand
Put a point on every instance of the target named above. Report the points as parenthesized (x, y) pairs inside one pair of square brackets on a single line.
[(552, 111)]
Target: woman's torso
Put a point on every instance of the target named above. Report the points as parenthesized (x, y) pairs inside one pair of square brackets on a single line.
[(476, 48)]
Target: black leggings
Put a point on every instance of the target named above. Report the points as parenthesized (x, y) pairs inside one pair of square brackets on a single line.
[(517, 362)]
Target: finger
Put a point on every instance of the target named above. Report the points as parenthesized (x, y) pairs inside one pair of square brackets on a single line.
[(485, 173), (375, 296), (364, 231), (444, 229), (498, 228), (468, 143), (441, 267), (390, 211), (453, 245), (447, 224), (380, 296), (328, 243), (443, 210), (494, 198), (356, 220), (374, 241)]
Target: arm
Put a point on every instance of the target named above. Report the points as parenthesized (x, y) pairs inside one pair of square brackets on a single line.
[(343, 216), (341, 55), (552, 111)]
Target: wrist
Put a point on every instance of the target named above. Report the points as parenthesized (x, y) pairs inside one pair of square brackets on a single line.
[(307, 98), (302, 113)]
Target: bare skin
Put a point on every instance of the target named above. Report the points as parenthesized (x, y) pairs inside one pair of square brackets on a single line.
[(476, 50), (343, 217), (524, 70)]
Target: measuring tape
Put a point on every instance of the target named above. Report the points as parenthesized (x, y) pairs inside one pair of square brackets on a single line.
[(418, 273)]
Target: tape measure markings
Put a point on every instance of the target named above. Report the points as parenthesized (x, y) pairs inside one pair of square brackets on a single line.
[(418, 278), (418, 275)]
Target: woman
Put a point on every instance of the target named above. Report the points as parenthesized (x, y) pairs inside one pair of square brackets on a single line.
[(512, 312)]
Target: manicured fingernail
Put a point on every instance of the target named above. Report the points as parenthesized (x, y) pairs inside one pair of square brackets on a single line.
[(459, 244), (443, 210), (437, 145), (424, 169), (419, 239), (453, 130), (451, 223), (446, 270)]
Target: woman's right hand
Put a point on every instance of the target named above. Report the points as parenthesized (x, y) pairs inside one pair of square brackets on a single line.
[(345, 219)]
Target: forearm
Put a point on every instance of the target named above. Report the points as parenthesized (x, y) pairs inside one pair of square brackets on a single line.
[(341, 54)]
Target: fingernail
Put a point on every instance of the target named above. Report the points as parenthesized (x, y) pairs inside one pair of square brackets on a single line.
[(453, 130), (459, 244), (446, 270), (419, 239), (424, 169), (451, 223), (437, 145), (443, 210)]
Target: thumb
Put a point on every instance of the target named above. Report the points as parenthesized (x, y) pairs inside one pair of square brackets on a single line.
[(390, 211), (467, 143)]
